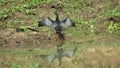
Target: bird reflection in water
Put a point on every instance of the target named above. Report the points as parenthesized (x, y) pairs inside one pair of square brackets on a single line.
[(59, 55)]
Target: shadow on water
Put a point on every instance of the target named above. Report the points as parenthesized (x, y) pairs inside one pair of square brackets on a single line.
[(60, 51), (59, 55)]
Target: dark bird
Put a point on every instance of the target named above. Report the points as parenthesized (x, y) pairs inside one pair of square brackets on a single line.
[(57, 24), (60, 54)]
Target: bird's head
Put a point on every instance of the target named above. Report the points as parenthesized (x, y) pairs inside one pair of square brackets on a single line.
[(56, 13), (57, 16)]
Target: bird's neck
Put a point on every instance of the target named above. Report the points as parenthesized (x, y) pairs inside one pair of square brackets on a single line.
[(57, 17)]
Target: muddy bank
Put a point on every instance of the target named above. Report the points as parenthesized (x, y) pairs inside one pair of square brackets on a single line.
[(10, 39)]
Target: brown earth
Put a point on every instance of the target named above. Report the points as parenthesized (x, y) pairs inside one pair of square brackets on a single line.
[(10, 39)]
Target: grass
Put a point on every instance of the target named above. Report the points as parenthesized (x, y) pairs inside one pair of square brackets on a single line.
[(12, 64), (27, 8), (5, 12), (3, 2)]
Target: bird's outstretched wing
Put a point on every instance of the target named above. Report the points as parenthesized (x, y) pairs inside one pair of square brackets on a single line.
[(69, 54), (48, 58), (67, 23), (47, 22)]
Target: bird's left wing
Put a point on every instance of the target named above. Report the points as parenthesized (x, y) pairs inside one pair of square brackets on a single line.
[(47, 22)]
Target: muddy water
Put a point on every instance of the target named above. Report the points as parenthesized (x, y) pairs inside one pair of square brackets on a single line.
[(103, 57)]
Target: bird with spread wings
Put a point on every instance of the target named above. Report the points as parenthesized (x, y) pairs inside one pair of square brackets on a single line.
[(57, 24)]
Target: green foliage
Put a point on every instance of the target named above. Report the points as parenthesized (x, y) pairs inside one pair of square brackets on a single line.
[(92, 28), (109, 14), (30, 11), (5, 12), (34, 24), (91, 25), (77, 20), (35, 65), (3, 2), (12, 64), (23, 27), (112, 27), (10, 24)]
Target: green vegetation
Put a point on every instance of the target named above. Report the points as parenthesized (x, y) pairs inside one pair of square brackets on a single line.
[(5, 12), (113, 27), (31, 8), (12, 64), (3, 2)]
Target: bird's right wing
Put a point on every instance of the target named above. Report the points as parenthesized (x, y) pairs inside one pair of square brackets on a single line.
[(47, 22), (67, 23)]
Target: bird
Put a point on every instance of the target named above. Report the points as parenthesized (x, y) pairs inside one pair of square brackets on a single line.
[(60, 54), (56, 24)]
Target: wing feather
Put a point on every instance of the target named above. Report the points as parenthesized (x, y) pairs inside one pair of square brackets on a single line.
[(67, 23), (48, 58), (69, 54), (47, 22)]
